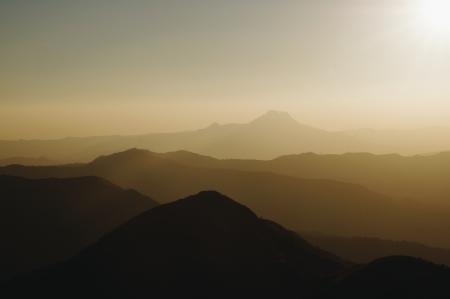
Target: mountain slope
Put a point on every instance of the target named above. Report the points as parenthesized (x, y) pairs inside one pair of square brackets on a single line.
[(48, 220), (208, 246), (201, 246), (422, 178), (364, 250), (326, 206)]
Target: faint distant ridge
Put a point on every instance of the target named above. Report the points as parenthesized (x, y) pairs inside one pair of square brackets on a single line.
[(40, 161), (273, 134)]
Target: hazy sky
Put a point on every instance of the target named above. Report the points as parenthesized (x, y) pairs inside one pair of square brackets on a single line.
[(108, 66)]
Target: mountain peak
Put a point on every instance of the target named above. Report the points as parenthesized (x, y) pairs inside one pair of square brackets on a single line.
[(276, 114), (215, 203), (273, 116)]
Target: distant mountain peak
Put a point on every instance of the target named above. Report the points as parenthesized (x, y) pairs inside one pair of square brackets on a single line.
[(274, 117), (213, 125), (276, 114)]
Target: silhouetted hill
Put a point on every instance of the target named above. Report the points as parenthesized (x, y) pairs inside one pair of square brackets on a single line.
[(203, 246), (209, 246), (393, 277), (364, 250), (320, 205), (48, 220)]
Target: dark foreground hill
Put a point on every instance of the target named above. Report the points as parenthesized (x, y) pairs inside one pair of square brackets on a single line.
[(321, 205), (203, 246), (208, 246), (48, 220)]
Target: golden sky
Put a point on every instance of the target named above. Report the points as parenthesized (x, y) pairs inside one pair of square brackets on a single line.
[(76, 68)]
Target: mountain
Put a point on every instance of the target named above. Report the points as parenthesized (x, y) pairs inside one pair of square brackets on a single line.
[(271, 135), (201, 246), (363, 250), (419, 178), (325, 206), (209, 246), (26, 161), (48, 220)]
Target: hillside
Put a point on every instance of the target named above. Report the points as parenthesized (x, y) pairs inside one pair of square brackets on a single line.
[(49, 220), (200, 246), (208, 245), (421, 178), (26, 161)]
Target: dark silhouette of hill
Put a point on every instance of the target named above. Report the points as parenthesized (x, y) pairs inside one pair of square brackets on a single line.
[(422, 178), (209, 246), (26, 161), (48, 220), (202, 246), (393, 277), (320, 205), (364, 250)]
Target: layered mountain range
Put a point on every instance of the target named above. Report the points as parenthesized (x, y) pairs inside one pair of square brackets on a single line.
[(267, 137), (324, 205)]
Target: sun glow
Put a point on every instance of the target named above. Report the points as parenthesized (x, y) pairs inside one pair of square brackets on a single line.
[(434, 15)]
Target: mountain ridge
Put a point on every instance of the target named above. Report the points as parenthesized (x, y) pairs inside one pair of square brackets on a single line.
[(272, 134), (293, 202)]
